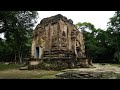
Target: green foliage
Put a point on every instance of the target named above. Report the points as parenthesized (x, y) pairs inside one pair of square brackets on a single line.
[(96, 42), (102, 44), (89, 33), (114, 35), (17, 27), (117, 57)]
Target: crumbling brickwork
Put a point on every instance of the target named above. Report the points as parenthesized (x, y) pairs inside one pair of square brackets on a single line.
[(57, 38)]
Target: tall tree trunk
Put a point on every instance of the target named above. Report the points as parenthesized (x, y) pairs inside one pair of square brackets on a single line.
[(15, 58), (20, 57)]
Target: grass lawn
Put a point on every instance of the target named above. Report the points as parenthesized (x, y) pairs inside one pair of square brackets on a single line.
[(12, 72), (118, 65), (10, 66)]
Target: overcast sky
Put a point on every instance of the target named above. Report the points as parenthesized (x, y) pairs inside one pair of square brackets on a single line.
[(97, 18)]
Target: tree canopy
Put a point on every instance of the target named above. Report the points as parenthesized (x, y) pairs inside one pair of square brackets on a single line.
[(102, 45), (17, 27)]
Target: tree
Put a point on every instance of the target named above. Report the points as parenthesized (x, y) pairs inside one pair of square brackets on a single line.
[(95, 41), (102, 45), (114, 31), (88, 31), (17, 27)]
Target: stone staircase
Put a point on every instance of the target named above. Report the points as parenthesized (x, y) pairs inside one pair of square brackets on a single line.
[(57, 55)]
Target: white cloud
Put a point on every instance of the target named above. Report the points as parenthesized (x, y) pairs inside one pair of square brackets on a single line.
[(97, 18)]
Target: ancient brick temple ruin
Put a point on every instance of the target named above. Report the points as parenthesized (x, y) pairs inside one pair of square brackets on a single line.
[(57, 39)]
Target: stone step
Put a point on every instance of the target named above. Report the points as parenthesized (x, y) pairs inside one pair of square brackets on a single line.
[(57, 58), (55, 55), (24, 68)]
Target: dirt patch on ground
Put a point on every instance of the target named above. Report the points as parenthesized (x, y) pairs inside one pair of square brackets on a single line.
[(98, 71), (99, 68)]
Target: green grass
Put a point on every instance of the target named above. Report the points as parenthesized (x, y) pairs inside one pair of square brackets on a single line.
[(115, 65), (45, 74), (12, 71), (10, 66), (27, 74)]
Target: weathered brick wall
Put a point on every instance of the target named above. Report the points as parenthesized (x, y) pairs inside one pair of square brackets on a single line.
[(58, 33)]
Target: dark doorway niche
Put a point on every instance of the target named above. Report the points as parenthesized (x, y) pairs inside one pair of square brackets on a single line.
[(37, 52)]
